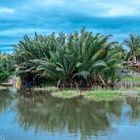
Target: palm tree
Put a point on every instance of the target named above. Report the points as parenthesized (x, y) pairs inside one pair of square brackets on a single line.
[(6, 66), (133, 44)]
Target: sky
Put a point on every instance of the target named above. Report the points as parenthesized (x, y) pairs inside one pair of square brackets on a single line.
[(20, 17)]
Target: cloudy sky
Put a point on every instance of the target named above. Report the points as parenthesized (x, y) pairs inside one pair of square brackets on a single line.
[(20, 17)]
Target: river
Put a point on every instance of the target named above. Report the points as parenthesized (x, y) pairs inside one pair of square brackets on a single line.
[(42, 117)]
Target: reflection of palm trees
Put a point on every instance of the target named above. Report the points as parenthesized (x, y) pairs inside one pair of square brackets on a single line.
[(5, 100), (74, 115), (134, 103)]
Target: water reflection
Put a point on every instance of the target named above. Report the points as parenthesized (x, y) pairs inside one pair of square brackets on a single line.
[(71, 117), (5, 100), (127, 85), (75, 115), (134, 113)]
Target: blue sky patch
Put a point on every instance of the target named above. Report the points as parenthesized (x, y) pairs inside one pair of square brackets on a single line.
[(20, 17)]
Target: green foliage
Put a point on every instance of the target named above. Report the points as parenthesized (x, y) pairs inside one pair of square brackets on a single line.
[(66, 94), (6, 66), (104, 94), (78, 59), (131, 79), (133, 43)]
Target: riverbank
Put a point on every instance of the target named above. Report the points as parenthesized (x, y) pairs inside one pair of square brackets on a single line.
[(98, 94), (94, 93), (86, 93)]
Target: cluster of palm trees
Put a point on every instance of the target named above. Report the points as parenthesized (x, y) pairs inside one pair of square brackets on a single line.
[(77, 59)]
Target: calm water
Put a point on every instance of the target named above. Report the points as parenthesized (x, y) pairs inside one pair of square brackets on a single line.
[(45, 118)]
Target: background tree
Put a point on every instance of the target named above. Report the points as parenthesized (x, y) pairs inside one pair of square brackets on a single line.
[(133, 44)]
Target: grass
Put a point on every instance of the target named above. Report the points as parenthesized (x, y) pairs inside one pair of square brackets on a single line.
[(66, 94), (47, 89), (3, 88), (131, 79), (92, 95), (137, 90), (104, 94), (99, 94)]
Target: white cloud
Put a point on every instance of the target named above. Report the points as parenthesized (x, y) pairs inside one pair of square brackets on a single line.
[(120, 11), (117, 10), (108, 8), (6, 10), (98, 8)]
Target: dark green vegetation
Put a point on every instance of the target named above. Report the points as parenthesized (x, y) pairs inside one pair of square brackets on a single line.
[(6, 66), (75, 60), (133, 44)]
